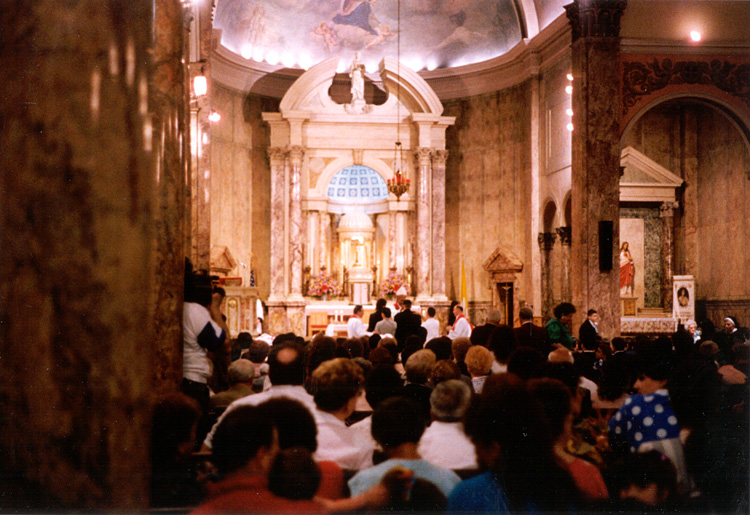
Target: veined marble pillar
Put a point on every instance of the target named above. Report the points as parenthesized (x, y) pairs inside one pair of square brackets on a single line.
[(402, 242), (277, 157), (392, 262), (295, 223), (78, 176), (314, 240), (595, 189), (546, 242), (325, 240), (564, 234), (666, 212), (438, 225), (424, 222), (171, 146)]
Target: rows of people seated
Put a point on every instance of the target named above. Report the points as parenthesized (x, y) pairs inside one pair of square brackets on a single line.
[(474, 425)]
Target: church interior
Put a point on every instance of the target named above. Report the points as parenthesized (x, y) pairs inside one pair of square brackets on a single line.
[(314, 155)]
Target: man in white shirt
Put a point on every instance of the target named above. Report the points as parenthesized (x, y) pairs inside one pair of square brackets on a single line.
[(462, 327), (286, 371), (431, 325), (338, 384), (355, 328), (445, 443)]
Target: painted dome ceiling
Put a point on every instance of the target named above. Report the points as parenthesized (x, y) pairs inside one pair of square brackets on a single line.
[(434, 33)]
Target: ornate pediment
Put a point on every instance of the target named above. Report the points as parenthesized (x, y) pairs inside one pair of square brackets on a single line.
[(502, 261), (645, 180), (222, 261)]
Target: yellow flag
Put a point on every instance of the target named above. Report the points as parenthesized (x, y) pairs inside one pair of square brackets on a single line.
[(463, 286)]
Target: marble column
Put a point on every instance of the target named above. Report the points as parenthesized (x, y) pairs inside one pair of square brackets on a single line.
[(277, 157), (564, 234), (546, 242), (77, 175), (325, 240), (392, 262), (424, 230), (666, 213), (595, 188), (170, 122), (296, 154), (438, 225), (314, 241)]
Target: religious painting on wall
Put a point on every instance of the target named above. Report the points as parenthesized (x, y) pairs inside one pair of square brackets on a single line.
[(631, 259), (302, 33)]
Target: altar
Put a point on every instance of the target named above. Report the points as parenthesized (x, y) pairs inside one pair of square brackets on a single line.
[(331, 317)]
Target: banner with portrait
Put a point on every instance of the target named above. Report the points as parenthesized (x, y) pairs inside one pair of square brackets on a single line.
[(683, 297)]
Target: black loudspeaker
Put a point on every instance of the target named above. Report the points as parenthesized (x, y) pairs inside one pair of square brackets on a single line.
[(606, 228)]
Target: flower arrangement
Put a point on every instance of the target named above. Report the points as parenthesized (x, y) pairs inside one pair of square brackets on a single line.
[(392, 282), (323, 285)]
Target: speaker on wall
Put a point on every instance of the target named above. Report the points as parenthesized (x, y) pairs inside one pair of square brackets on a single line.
[(606, 229)]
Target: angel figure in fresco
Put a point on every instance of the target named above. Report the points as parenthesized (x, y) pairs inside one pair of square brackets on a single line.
[(627, 270), (329, 36)]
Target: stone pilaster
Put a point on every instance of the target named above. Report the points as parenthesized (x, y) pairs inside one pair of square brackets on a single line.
[(666, 213), (325, 240), (565, 236), (546, 242), (278, 186), (77, 175), (295, 222), (424, 230), (314, 241), (596, 158), (438, 225)]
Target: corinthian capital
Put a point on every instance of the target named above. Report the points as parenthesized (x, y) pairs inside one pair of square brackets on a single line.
[(277, 155), (423, 155), (439, 157), (296, 153)]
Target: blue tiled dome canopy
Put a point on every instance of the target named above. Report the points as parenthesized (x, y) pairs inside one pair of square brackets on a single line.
[(357, 184)]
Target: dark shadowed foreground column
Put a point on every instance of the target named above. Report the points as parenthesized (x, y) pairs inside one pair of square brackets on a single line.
[(76, 176)]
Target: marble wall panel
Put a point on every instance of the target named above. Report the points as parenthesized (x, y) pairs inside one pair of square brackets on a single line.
[(489, 155)]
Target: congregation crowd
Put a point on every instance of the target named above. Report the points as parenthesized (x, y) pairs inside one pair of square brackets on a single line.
[(490, 418)]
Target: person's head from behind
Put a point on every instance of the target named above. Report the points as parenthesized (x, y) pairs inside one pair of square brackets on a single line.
[(391, 345), (526, 314), (441, 347), (336, 384), (383, 382), (494, 317), (566, 374), (294, 423), (524, 360), (419, 366), (245, 442), (445, 370), (478, 361), (460, 347), (564, 312), (654, 368), (431, 312), (502, 342), (647, 478), (407, 304), (450, 400), (294, 474), (380, 356), (380, 304), (258, 352), (397, 421), (556, 401), (603, 351), (241, 371), (386, 312), (173, 426), (321, 349), (286, 365), (619, 344)]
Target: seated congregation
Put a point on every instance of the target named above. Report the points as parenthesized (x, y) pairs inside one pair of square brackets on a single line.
[(482, 424)]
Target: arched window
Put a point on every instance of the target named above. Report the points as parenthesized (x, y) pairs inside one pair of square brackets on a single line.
[(357, 184)]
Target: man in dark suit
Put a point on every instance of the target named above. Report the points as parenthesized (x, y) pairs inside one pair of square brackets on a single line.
[(407, 323), (530, 335), (588, 333)]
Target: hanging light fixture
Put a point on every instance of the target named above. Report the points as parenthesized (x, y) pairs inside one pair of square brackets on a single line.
[(399, 184)]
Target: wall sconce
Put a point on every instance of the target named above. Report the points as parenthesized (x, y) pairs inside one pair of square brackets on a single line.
[(214, 117), (200, 85)]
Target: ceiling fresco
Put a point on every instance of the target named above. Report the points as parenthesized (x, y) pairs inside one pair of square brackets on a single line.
[(434, 33)]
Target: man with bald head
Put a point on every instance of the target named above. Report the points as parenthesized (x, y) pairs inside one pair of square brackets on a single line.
[(286, 371)]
